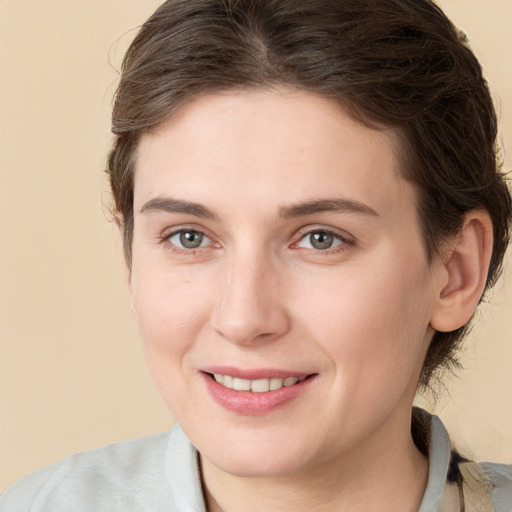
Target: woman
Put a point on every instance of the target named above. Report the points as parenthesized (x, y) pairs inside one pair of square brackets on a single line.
[(311, 210)]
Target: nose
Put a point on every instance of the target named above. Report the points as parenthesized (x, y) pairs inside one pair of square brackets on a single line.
[(250, 307)]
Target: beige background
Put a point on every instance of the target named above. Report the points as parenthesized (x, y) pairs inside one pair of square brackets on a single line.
[(72, 374)]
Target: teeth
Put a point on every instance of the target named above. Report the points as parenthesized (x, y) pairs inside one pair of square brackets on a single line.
[(276, 384), (256, 386), (241, 384), (260, 385)]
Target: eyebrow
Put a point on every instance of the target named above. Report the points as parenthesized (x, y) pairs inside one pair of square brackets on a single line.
[(171, 205), (335, 205)]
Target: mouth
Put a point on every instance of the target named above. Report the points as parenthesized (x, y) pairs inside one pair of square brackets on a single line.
[(259, 393), (257, 385)]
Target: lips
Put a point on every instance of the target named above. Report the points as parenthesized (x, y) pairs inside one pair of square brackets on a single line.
[(255, 392)]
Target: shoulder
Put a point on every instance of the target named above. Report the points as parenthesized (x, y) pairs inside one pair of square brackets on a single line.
[(500, 476), (128, 475), (482, 486)]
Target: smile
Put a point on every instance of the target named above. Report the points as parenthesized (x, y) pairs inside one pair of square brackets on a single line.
[(257, 385), (260, 392)]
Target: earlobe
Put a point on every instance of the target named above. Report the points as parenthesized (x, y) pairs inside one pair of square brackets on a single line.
[(464, 273)]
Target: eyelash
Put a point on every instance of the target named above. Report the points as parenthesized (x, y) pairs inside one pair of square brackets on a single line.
[(175, 249), (343, 242)]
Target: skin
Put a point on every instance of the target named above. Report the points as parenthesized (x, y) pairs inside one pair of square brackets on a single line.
[(256, 294)]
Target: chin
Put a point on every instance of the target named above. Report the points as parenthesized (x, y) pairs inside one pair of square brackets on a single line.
[(274, 456), (260, 467)]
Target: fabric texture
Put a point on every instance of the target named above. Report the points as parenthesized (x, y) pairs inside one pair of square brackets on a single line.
[(161, 474)]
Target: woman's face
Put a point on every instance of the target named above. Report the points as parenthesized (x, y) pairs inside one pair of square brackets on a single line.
[(276, 246)]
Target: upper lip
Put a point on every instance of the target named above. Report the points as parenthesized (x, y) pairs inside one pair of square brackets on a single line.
[(255, 373)]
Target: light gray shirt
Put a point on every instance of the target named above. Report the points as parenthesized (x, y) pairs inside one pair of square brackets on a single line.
[(161, 474)]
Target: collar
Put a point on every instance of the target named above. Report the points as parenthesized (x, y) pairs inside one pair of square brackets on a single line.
[(184, 476)]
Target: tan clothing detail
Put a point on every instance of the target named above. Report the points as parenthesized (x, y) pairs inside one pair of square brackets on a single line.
[(477, 491)]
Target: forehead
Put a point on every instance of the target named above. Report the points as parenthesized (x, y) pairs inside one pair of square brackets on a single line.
[(275, 144)]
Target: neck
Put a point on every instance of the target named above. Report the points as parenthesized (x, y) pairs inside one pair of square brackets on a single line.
[(378, 477)]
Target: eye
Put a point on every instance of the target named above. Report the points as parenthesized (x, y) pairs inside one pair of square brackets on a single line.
[(320, 240), (189, 239)]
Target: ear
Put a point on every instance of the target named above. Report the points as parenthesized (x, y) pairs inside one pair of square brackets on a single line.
[(463, 273)]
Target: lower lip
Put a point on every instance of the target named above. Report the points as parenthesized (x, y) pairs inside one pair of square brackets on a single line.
[(251, 403)]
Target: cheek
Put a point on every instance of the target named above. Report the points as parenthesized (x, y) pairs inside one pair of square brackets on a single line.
[(371, 324), (170, 311)]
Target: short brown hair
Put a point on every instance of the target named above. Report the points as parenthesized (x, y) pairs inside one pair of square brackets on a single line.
[(399, 64)]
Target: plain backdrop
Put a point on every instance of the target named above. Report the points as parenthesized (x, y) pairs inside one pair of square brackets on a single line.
[(72, 373)]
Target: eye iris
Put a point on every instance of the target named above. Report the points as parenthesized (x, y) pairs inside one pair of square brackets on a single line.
[(321, 240), (191, 239)]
